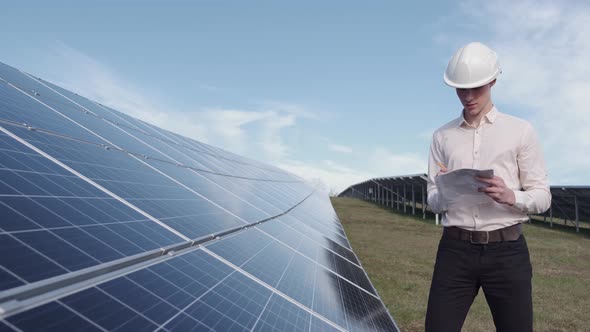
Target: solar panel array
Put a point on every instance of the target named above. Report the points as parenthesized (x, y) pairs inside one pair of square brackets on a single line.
[(569, 203), (108, 223), (400, 192)]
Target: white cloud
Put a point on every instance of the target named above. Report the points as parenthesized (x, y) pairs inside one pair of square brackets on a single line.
[(543, 48), (270, 138), (340, 148), (328, 175), (290, 108), (226, 127)]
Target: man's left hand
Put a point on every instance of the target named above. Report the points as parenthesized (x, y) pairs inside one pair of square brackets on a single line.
[(497, 190)]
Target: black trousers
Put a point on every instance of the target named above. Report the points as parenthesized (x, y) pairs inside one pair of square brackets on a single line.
[(502, 269)]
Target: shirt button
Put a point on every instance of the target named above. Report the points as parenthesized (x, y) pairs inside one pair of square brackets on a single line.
[(476, 216), (476, 152)]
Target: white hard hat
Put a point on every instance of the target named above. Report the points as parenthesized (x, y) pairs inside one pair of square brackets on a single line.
[(472, 66)]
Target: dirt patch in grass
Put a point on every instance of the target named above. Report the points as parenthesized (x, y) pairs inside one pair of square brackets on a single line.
[(398, 253)]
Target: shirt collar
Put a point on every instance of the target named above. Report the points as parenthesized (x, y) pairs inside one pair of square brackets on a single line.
[(490, 117)]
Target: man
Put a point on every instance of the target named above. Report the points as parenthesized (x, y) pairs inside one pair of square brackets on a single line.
[(482, 245)]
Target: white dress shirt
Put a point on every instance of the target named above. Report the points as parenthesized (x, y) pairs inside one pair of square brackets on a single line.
[(504, 143)]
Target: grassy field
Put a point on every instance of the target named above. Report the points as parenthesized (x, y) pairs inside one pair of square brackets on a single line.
[(398, 253)]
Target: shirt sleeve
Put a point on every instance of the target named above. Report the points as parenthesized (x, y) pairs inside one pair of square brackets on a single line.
[(535, 196), (435, 199)]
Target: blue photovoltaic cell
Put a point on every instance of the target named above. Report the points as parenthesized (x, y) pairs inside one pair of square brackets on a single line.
[(184, 322), (241, 247), (281, 315), (321, 326), (305, 242), (296, 241), (145, 299), (8, 279), (319, 254), (364, 312), (140, 185), (151, 296), (270, 263), (53, 222), (328, 231), (298, 277), (233, 305), (4, 327), (237, 205), (251, 191), (95, 108), (327, 298), (51, 317), (20, 108), (134, 189), (110, 313)]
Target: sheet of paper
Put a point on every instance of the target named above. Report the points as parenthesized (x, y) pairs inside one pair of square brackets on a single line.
[(459, 187)]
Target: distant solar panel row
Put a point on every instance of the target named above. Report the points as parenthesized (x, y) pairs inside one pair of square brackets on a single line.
[(398, 192), (108, 223), (568, 203)]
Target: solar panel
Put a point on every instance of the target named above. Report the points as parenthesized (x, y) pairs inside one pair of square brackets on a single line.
[(108, 223)]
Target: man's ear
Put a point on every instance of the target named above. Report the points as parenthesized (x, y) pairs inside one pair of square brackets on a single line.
[(492, 83)]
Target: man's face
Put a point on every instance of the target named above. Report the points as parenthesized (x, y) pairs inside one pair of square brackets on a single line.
[(475, 100)]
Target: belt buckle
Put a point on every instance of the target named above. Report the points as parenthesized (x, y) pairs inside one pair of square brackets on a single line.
[(477, 241)]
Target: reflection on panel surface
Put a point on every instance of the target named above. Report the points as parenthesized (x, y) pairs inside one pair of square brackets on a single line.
[(108, 223), (338, 291), (281, 315)]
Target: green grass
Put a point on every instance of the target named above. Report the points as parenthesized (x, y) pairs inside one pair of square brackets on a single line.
[(398, 253)]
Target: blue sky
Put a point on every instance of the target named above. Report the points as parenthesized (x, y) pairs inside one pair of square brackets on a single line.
[(334, 91)]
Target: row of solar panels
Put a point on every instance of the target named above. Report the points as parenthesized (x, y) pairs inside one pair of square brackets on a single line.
[(400, 192), (570, 203), (109, 223)]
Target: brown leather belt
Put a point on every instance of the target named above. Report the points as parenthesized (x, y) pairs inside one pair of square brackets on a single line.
[(510, 233)]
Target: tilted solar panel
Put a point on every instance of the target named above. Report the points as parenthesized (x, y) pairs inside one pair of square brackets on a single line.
[(108, 223)]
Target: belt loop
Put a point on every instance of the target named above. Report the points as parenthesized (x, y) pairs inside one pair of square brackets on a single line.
[(502, 235)]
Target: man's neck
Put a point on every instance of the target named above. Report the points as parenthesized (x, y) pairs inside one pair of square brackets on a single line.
[(474, 122)]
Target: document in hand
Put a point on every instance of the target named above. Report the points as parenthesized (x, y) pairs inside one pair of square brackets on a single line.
[(460, 187)]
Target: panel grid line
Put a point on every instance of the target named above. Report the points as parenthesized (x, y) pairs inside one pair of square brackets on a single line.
[(270, 297), (193, 302), (274, 290), (191, 245), (82, 316), (9, 324), (322, 266), (34, 148)]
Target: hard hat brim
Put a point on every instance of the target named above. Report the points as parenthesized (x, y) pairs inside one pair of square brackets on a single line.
[(472, 85)]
